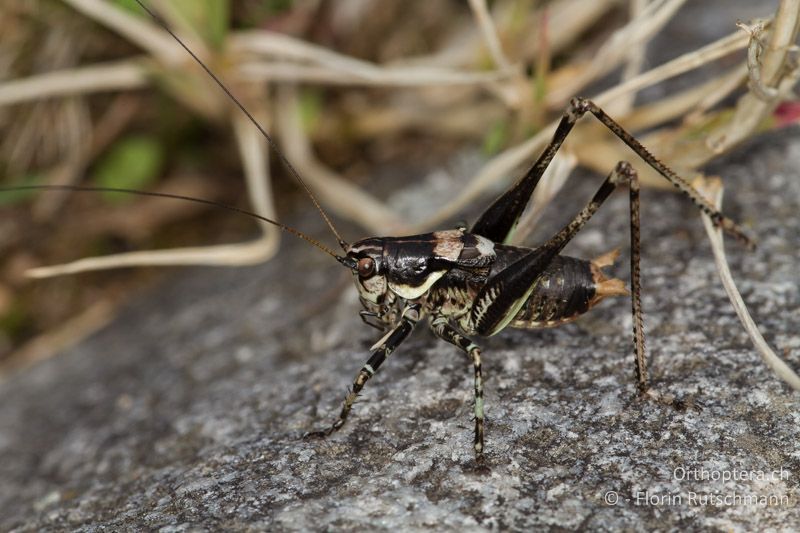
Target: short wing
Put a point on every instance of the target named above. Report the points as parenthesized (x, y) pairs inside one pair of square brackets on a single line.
[(504, 294)]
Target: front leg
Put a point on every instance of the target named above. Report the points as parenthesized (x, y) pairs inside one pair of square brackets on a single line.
[(442, 329), (381, 350)]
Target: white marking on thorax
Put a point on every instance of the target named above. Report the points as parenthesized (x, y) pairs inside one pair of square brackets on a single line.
[(411, 292)]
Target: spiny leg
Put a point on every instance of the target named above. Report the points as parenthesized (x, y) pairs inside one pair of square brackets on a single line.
[(381, 350), (500, 299), (636, 305), (501, 217), (442, 329), (623, 174), (630, 177), (636, 286), (582, 105)]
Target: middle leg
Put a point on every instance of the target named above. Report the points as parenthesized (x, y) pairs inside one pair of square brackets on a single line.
[(442, 329)]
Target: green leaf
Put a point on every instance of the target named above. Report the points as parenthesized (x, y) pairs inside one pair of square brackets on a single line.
[(129, 5), (496, 137), (278, 7), (133, 162), (14, 320), (310, 108), (258, 13), (209, 18)]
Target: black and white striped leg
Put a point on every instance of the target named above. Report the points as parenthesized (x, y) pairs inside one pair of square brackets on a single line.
[(442, 329), (380, 351)]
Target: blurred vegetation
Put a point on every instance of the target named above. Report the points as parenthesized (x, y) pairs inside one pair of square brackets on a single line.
[(93, 91)]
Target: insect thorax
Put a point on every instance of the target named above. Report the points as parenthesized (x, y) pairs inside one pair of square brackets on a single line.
[(431, 269)]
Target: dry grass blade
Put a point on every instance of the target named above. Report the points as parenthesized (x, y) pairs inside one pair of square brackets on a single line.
[(385, 77), (571, 19), (489, 31), (111, 76), (712, 189), (751, 109), (602, 153), (339, 195), (680, 65), (137, 30), (498, 168), (689, 104), (754, 51), (302, 61), (632, 36), (220, 255), (254, 157), (278, 45), (634, 60)]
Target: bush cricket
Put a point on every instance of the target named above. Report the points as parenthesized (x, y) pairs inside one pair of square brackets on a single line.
[(465, 281)]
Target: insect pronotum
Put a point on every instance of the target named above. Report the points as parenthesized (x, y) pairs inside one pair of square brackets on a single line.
[(464, 280)]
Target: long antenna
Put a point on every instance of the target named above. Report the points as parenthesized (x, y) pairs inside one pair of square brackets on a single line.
[(258, 126), (79, 188)]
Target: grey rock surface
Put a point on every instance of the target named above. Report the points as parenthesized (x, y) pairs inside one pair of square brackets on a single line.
[(188, 412)]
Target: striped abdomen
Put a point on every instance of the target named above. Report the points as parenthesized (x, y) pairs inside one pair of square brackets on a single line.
[(568, 288)]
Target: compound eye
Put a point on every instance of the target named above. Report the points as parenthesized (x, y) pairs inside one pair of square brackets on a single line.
[(366, 267)]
